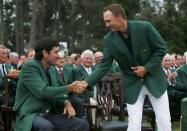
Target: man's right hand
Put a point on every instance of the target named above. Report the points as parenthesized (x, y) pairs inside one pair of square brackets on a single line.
[(77, 87)]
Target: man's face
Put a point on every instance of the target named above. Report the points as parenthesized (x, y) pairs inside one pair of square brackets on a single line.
[(68, 60), (31, 55), (179, 60), (172, 62), (166, 62), (87, 60), (111, 21), (60, 62), (183, 60), (15, 59), (98, 58), (52, 56), (78, 62), (3, 55)]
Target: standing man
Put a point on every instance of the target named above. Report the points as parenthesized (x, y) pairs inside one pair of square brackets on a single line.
[(138, 48), (40, 90)]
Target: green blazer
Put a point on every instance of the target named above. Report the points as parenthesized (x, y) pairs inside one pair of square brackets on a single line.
[(148, 49), (34, 94), (181, 79)]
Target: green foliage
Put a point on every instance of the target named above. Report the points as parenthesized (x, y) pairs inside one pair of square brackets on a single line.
[(8, 9), (80, 22), (169, 21)]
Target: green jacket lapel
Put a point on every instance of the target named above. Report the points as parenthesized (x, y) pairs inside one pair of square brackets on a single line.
[(134, 41), (83, 71), (120, 45)]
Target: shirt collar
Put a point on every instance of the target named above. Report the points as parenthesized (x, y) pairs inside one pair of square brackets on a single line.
[(86, 68)]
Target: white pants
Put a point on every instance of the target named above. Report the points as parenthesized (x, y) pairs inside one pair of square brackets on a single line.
[(160, 107), (93, 101)]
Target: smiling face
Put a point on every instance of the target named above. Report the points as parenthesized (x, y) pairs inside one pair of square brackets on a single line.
[(3, 55), (87, 60), (97, 57), (114, 23)]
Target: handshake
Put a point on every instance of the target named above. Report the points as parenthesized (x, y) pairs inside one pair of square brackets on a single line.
[(78, 86)]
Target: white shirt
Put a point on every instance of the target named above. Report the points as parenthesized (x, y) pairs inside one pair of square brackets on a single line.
[(1, 68)]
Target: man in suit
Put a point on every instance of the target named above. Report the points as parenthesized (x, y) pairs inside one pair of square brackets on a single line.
[(7, 69), (3, 60), (40, 89), (177, 90), (85, 69), (3, 72), (138, 49), (80, 73)]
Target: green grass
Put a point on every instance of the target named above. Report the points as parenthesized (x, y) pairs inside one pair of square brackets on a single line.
[(175, 125)]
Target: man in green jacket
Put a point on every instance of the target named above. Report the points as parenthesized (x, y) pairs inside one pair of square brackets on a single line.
[(177, 90), (138, 49), (41, 89)]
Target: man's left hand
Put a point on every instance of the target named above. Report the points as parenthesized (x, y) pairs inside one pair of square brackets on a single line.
[(69, 110)]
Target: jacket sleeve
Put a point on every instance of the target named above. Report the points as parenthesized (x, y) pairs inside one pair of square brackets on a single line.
[(34, 81), (158, 48), (103, 67), (181, 81)]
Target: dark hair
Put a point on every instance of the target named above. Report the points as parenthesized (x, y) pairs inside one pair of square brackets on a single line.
[(116, 9), (45, 43), (77, 57)]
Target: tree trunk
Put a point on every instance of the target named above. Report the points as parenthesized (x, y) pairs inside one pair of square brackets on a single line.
[(56, 23), (72, 40), (19, 27), (38, 28), (1, 23), (33, 32)]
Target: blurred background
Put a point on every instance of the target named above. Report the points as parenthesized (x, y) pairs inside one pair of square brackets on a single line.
[(78, 24)]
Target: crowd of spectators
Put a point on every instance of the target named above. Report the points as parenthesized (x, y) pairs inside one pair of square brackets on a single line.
[(78, 66)]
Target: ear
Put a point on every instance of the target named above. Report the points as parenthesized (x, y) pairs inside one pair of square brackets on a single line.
[(45, 54), (119, 17)]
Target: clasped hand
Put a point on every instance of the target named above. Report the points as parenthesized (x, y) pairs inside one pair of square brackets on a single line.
[(78, 86)]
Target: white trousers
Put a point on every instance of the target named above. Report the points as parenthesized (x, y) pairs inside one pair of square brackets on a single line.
[(93, 101), (160, 107)]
